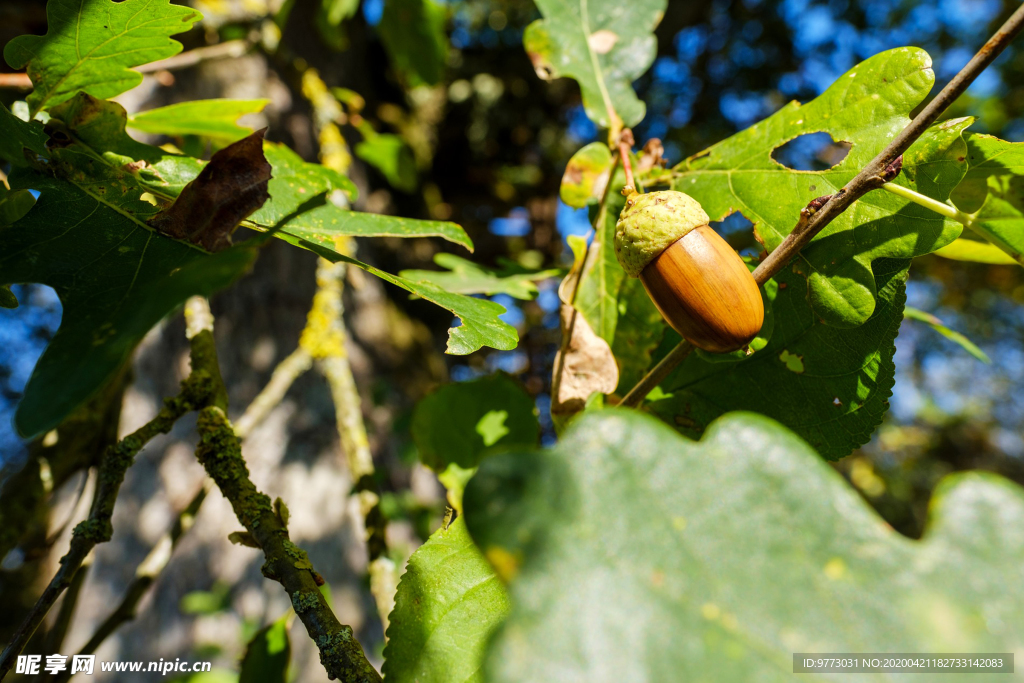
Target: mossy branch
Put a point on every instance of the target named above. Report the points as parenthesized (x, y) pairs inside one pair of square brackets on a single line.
[(220, 453), (114, 463)]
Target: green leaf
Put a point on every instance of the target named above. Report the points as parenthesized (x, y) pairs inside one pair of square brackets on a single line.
[(597, 296), (461, 421), (637, 555), (465, 277), (307, 195), (14, 204), (91, 45), (413, 32), (963, 249), (638, 333), (865, 107), (392, 157), (267, 654), (87, 238), (448, 602), (480, 325), (16, 136), (604, 45), (212, 601), (586, 175), (328, 20), (829, 385), (214, 119), (952, 335), (993, 190)]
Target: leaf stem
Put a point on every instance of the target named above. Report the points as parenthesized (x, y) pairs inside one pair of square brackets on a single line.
[(870, 177), (927, 202), (968, 220)]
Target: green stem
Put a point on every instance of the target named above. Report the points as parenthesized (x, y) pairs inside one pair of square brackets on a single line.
[(969, 220)]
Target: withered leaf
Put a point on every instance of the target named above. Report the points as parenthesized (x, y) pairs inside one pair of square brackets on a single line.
[(228, 189), (587, 365)]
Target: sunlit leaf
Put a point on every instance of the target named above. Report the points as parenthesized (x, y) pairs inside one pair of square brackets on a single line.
[(963, 249), (586, 175), (993, 189), (952, 335), (604, 45), (392, 157), (634, 554), (466, 277), (305, 204), (865, 107), (448, 602), (460, 421), (267, 655), (91, 45), (214, 119)]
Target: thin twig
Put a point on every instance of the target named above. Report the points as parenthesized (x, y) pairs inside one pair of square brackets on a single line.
[(97, 528), (283, 376), (326, 339), (626, 143), (55, 636), (220, 453), (871, 177), (146, 573)]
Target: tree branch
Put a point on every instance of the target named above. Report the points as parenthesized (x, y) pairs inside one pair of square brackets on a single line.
[(326, 339), (871, 177), (286, 372), (220, 453), (97, 528)]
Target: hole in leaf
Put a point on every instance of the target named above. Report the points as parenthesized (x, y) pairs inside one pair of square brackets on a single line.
[(811, 152), (738, 231)]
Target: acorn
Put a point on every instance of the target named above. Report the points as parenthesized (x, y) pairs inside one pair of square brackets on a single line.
[(698, 282)]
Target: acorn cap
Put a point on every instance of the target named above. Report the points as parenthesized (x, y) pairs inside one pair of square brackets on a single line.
[(650, 223)]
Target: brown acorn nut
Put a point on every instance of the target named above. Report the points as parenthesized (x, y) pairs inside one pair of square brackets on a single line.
[(698, 282)]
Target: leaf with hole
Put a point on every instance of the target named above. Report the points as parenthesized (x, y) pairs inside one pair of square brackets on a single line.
[(18, 137), (604, 45), (865, 107), (448, 602), (91, 45), (634, 554)]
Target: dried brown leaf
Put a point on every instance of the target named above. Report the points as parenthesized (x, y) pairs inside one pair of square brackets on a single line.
[(589, 365), (228, 189)]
